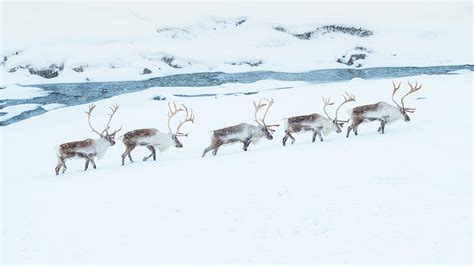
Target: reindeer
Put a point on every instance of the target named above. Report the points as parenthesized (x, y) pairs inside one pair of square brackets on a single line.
[(382, 111), (316, 123), (88, 149), (152, 138), (243, 132)]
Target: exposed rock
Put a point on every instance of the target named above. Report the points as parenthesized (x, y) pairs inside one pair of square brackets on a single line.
[(250, 63), (146, 71), (159, 98), (353, 31), (350, 58), (169, 61), (51, 72), (239, 22), (79, 69)]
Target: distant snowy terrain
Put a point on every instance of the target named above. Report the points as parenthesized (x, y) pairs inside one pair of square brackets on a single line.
[(402, 197), (57, 42)]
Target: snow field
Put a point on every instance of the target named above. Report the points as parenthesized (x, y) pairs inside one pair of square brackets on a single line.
[(400, 197)]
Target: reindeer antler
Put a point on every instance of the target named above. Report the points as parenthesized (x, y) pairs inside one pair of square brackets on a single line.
[(412, 90), (189, 118), (89, 112), (347, 98), (395, 88), (327, 101), (114, 109), (257, 107), (173, 111), (270, 102)]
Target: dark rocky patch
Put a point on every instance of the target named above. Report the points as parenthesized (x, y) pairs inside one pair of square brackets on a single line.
[(169, 61), (146, 71), (79, 69), (240, 22), (250, 63), (50, 72), (353, 31), (159, 98), (350, 58)]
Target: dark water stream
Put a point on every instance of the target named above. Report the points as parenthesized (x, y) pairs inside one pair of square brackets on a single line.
[(80, 93)]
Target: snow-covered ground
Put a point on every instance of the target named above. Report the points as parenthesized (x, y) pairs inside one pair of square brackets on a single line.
[(78, 42), (405, 196)]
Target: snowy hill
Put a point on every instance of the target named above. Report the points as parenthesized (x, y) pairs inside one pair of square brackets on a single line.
[(58, 43), (402, 197)]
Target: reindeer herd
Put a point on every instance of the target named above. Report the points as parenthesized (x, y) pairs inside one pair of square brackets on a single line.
[(153, 139)]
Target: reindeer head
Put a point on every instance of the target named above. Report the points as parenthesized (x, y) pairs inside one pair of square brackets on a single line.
[(110, 137), (404, 110), (266, 129), (189, 118), (338, 124)]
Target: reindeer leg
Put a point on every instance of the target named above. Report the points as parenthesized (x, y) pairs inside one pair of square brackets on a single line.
[(320, 136), (382, 126), (151, 154), (127, 152), (123, 157), (93, 163), (349, 128), (64, 165), (315, 133), (291, 137), (285, 138), (87, 164), (206, 151), (214, 152), (58, 167), (246, 144), (355, 125), (130, 149), (60, 164)]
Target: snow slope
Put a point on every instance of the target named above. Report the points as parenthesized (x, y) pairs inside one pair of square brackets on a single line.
[(402, 197), (122, 41)]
